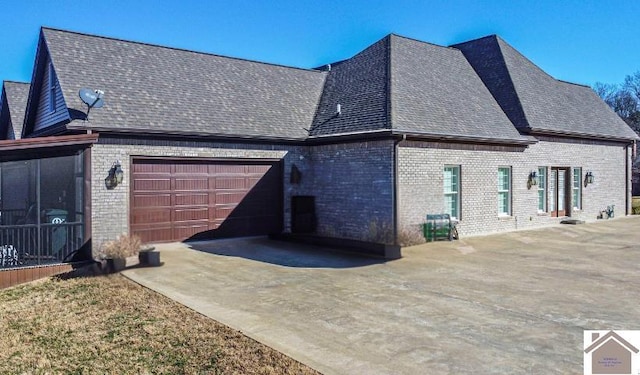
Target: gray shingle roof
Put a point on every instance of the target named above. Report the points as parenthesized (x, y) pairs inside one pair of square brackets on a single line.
[(434, 90), (535, 101), (410, 87), (397, 85), (360, 86), (17, 94), (166, 90)]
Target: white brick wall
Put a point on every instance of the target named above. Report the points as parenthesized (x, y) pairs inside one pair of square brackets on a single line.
[(421, 181), (353, 182)]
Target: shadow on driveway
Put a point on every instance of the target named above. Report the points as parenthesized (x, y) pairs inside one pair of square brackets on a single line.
[(284, 254)]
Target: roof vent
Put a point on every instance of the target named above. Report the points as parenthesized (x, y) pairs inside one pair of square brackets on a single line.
[(328, 67), (338, 110)]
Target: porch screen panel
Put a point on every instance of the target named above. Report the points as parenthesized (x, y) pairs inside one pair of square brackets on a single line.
[(41, 209)]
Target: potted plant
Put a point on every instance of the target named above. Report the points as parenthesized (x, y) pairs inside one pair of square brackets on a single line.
[(116, 252), (148, 256)]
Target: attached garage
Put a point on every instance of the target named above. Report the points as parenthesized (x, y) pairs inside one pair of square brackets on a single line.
[(175, 200)]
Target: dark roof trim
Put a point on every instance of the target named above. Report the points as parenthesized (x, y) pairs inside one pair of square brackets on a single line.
[(387, 133), (465, 139), (350, 137), (179, 134), (599, 137), (34, 90), (50, 131), (318, 139), (47, 142)]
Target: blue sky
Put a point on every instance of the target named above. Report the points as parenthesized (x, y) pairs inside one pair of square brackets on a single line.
[(578, 41)]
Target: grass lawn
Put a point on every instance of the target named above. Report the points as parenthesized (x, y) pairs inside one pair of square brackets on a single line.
[(110, 325)]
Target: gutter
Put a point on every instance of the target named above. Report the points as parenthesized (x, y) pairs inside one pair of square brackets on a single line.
[(601, 137), (453, 138), (186, 135)]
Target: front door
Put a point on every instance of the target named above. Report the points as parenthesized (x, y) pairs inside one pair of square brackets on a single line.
[(558, 197)]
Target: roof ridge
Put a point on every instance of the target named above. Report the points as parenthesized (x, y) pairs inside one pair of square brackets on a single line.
[(573, 83), (524, 57), (418, 40), (495, 36), (388, 84), (177, 49)]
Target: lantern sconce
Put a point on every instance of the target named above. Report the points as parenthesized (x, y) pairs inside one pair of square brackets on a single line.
[(588, 178), (296, 176), (115, 176), (533, 179)]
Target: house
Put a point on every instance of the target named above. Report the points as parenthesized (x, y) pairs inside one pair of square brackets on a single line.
[(610, 354), (360, 149)]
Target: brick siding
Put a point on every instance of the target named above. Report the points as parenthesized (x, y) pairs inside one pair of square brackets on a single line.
[(352, 182), (353, 185), (110, 208), (421, 181)]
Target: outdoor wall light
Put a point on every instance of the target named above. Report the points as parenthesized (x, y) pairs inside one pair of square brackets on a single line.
[(296, 175), (533, 179), (115, 176), (588, 178)]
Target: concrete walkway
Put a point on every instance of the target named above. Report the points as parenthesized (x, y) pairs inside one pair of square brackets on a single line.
[(514, 303)]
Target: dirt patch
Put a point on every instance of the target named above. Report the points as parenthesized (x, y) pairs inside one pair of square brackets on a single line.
[(108, 324)]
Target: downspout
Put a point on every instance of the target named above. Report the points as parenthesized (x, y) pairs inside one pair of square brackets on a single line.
[(395, 187), (626, 180)]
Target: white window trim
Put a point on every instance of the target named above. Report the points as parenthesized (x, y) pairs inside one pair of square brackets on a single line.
[(508, 191), (457, 193), (542, 186), (579, 188)]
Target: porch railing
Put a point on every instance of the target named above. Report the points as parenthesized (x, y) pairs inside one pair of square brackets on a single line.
[(33, 244)]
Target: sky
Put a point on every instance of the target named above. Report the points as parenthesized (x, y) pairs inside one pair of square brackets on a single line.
[(584, 41)]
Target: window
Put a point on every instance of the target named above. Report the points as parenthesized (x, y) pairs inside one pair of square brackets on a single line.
[(542, 189), (52, 89), (577, 189), (504, 191), (452, 190)]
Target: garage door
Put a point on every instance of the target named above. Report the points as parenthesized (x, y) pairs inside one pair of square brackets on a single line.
[(177, 200)]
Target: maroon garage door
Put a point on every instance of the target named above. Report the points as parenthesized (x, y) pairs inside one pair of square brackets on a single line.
[(173, 200)]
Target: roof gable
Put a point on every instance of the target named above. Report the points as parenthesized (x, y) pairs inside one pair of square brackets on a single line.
[(40, 119), (536, 102), (155, 89), (14, 103)]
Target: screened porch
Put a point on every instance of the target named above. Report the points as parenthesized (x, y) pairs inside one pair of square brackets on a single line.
[(42, 208)]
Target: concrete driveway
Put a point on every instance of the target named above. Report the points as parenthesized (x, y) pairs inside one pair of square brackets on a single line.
[(514, 303)]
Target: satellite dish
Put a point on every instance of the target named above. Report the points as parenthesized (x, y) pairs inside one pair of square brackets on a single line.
[(92, 98)]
